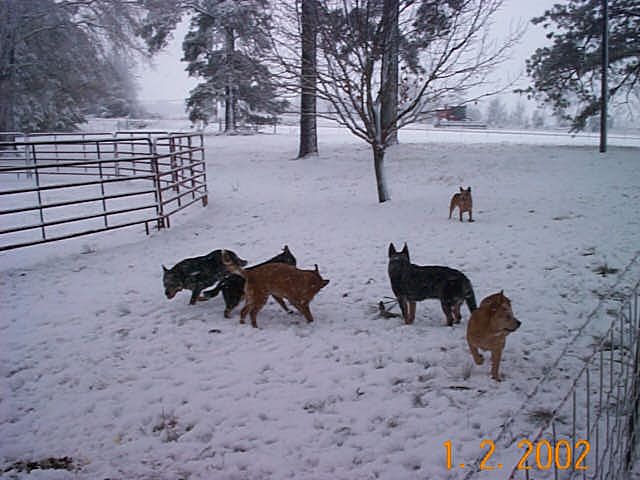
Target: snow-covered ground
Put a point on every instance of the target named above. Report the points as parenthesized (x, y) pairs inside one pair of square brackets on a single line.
[(96, 364)]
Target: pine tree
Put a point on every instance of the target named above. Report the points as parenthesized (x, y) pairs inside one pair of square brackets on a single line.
[(566, 74), (225, 46)]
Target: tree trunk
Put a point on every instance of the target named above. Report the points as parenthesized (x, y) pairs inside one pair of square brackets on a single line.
[(308, 78), (381, 182), (8, 71), (389, 71), (229, 91)]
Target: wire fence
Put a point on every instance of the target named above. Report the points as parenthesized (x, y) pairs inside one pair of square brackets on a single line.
[(58, 186), (593, 432)]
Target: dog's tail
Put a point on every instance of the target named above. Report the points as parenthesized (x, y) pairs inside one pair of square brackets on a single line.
[(470, 298), (452, 204), (215, 290)]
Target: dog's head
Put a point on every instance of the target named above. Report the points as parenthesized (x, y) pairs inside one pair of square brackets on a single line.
[(402, 255), (318, 282), (502, 318), (232, 263), (233, 258), (465, 195), (172, 282)]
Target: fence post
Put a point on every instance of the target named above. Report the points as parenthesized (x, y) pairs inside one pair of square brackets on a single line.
[(37, 175), (634, 413), (155, 168)]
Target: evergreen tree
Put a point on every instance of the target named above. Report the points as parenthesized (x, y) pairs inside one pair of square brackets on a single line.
[(54, 64), (226, 46), (566, 74)]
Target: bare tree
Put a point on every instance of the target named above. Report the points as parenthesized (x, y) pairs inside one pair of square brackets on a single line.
[(308, 79), (390, 60), (445, 53)]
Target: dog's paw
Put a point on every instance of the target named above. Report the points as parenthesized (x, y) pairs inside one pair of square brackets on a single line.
[(479, 360)]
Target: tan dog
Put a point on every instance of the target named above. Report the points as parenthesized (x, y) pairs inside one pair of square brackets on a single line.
[(279, 280), (488, 328), (463, 201)]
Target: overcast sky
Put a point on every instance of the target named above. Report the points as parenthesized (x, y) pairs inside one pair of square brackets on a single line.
[(167, 79)]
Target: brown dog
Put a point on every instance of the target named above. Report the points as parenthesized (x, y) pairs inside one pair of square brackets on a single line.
[(488, 328), (279, 280), (463, 201)]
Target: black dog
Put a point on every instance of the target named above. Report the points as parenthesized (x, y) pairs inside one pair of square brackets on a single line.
[(196, 274), (412, 283), (232, 285)]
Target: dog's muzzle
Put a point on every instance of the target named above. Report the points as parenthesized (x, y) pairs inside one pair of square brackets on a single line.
[(170, 293), (518, 323)]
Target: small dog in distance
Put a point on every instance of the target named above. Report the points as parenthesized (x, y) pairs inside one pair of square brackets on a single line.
[(463, 201)]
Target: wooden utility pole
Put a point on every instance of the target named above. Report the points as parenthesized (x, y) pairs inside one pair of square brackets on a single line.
[(605, 65)]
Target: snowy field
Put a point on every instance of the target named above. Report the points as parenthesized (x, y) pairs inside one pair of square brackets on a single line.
[(96, 364)]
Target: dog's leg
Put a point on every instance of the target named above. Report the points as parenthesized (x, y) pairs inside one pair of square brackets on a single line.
[(456, 312), (281, 303), (403, 306), (307, 312), (411, 313), (446, 308), (244, 311), (460, 210), (496, 356), (475, 353), (470, 216), (231, 300), (258, 303), (195, 296)]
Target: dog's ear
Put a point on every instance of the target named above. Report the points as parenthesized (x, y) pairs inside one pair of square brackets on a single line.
[(164, 269), (286, 248), (316, 265), (392, 249), (469, 189), (461, 190), (405, 249)]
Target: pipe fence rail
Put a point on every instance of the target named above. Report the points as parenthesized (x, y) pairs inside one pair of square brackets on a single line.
[(58, 186)]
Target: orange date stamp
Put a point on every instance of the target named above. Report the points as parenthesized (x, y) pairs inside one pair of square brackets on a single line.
[(541, 455)]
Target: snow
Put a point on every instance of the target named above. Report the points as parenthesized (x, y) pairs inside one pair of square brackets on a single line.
[(98, 365)]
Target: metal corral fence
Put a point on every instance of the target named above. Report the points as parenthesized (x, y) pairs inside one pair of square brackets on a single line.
[(57, 186)]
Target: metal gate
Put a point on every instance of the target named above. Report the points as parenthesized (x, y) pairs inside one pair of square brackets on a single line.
[(58, 186)]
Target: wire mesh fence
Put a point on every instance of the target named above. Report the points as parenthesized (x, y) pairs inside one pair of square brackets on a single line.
[(593, 432)]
